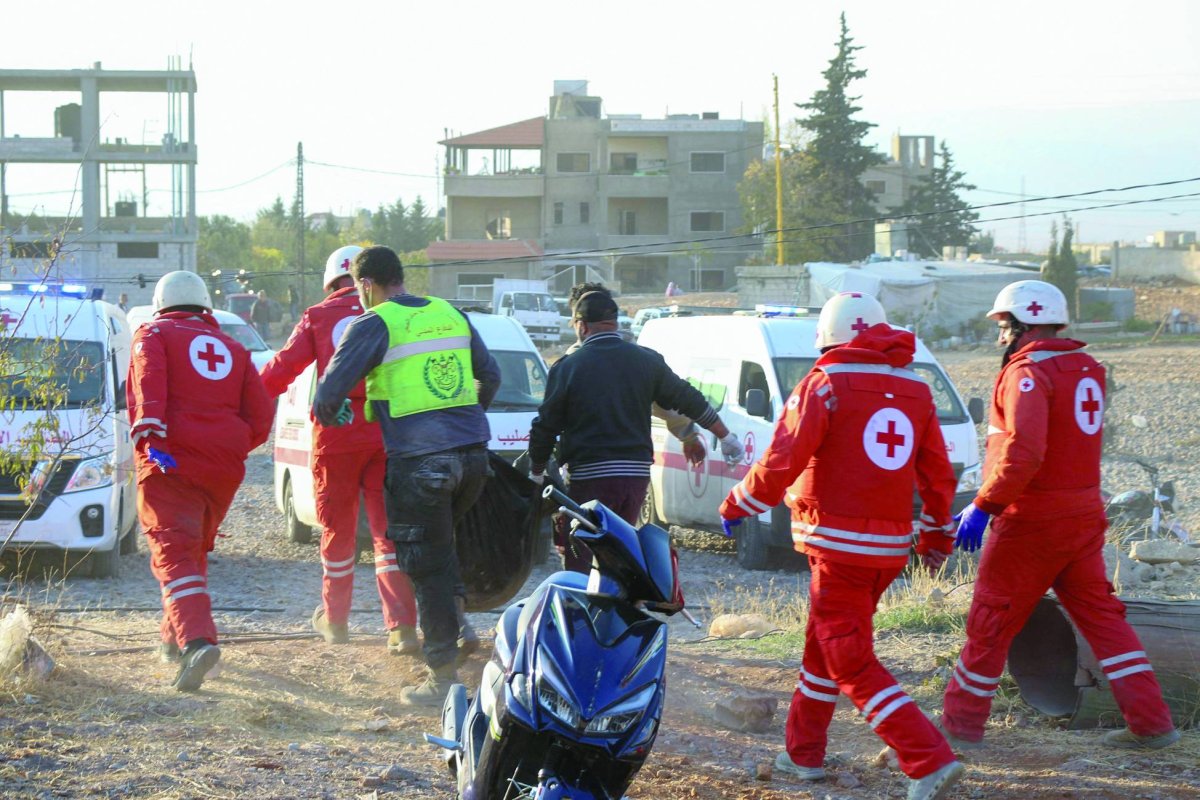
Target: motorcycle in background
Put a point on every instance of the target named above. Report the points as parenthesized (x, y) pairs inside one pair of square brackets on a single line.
[(1136, 515), (569, 704)]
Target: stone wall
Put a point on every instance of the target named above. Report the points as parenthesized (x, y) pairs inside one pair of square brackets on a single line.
[(786, 285), (1140, 263)]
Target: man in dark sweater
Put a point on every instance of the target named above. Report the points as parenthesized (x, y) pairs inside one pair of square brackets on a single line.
[(597, 402)]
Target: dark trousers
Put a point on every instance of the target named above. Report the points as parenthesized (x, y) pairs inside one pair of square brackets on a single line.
[(426, 495), (623, 496)]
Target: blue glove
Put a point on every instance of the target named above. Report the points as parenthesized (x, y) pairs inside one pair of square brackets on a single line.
[(161, 458), (971, 522), (345, 414), (728, 525)]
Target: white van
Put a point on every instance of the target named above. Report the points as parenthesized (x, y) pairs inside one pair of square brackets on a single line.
[(523, 384), (231, 324), (87, 504), (747, 366)]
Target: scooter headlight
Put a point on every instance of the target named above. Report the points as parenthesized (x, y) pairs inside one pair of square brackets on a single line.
[(520, 689), (971, 479), (620, 718), (559, 706), (91, 473)]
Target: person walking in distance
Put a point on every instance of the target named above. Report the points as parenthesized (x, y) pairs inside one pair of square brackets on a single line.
[(857, 433), (348, 461), (196, 409), (429, 379), (260, 313), (1041, 494), (598, 400)]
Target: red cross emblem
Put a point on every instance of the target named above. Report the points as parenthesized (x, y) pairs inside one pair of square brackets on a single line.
[(7, 318), (748, 446), (890, 438), (1034, 308), (859, 325), (1090, 406), (211, 357), (346, 264)]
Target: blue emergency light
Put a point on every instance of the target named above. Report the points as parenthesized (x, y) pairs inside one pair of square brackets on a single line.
[(769, 310), (52, 289)]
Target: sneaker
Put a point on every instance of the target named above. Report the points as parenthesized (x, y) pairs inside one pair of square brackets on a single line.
[(402, 641), (1127, 740), (955, 741), (169, 652), (194, 665), (784, 764), (935, 785), (334, 632), (431, 692)]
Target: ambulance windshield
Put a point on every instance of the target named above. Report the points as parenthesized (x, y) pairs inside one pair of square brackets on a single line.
[(791, 371), (522, 381), (46, 373)]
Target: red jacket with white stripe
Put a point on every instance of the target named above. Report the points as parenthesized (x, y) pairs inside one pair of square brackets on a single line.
[(193, 391), (856, 434), (1045, 434), (315, 338)]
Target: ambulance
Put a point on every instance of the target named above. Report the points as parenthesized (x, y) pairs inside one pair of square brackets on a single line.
[(522, 386), (69, 480), (747, 365)]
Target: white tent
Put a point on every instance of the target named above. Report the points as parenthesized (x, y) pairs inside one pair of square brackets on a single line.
[(950, 294)]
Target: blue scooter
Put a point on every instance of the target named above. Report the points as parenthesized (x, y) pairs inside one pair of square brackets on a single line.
[(569, 705)]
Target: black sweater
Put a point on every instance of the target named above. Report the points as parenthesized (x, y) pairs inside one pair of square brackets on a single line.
[(598, 400)]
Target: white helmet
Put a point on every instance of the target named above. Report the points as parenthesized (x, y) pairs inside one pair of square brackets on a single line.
[(1031, 303), (181, 288), (338, 263), (846, 315)]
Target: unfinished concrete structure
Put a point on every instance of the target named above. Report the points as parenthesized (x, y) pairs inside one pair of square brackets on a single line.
[(105, 241)]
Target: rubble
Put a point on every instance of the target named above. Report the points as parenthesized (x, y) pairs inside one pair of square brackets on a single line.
[(20, 651), (745, 711), (1161, 551)]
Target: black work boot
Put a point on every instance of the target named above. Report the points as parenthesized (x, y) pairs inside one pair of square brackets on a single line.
[(431, 692), (468, 639), (198, 658)]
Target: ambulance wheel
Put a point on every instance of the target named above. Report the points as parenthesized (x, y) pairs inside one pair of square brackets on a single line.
[(297, 531), (106, 564), (753, 551)]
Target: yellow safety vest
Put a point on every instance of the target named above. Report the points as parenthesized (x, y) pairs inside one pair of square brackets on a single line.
[(428, 361)]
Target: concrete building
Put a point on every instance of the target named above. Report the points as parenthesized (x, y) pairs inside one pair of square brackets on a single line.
[(110, 241), (912, 159), (634, 202)]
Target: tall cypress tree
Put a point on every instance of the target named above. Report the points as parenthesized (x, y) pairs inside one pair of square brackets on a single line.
[(833, 191), (948, 223)]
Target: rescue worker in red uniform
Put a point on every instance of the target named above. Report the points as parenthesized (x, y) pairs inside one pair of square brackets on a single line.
[(347, 460), (196, 408), (1041, 492), (857, 433)]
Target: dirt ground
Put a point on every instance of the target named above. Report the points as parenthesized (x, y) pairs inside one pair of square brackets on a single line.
[(295, 718)]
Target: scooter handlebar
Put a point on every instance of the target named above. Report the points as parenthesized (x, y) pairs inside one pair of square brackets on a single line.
[(569, 507)]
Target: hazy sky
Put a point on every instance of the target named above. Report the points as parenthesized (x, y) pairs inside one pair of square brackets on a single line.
[(1066, 95)]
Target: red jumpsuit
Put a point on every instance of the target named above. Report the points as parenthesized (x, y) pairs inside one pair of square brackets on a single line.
[(193, 392), (347, 461), (856, 435), (1042, 486)]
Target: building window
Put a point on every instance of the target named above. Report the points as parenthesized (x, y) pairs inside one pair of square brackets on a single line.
[(626, 223), (137, 249), (28, 249), (708, 162), (558, 213), (877, 187), (585, 213), (499, 225), (574, 162), (622, 163), (708, 221)]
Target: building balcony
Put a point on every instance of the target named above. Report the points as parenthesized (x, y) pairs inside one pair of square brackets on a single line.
[(511, 184), (64, 150), (638, 184)]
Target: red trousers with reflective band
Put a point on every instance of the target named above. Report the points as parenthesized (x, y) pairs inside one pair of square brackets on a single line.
[(1020, 561), (839, 656), (338, 480), (180, 520)]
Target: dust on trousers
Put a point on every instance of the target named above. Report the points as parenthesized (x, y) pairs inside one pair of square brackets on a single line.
[(839, 657), (180, 519), (1020, 561), (339, 480)]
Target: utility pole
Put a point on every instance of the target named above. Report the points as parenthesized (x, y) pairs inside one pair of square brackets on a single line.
[(778, 182), (300, 221)]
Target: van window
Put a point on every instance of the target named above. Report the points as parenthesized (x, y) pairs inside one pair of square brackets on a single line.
[(791, 371), (710, 386), (754, 377), (38, 368), (522, 381)]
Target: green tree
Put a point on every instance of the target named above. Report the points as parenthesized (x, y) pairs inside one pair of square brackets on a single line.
[(757, 193), (948, 221), (833, 191), (1059, 268), (222, 243)]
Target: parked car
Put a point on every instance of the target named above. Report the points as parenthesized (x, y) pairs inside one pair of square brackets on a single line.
[(236, 327), (644, 315), (241, 303)]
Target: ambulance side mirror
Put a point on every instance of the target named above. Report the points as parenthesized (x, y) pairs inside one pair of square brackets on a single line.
[(975, 409), (756, 403)]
